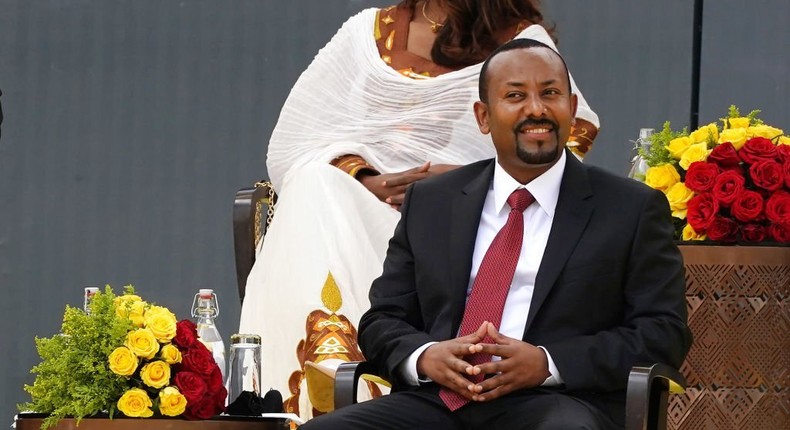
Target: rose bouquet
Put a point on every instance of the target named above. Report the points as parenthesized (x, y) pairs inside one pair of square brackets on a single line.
[(728, 184), (125, 355)]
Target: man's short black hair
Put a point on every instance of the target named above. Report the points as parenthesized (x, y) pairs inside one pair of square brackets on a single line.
[(510, 46)]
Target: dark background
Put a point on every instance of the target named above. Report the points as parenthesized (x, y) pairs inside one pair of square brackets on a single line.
[(130, 124)]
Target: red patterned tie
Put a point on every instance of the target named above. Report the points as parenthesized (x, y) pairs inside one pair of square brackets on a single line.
[(491, 285)]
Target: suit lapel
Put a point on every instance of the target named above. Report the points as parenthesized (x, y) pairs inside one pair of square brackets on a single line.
[(467, 208), (573, 211)]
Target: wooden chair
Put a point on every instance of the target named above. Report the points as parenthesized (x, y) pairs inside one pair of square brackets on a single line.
[(646, 396), (253, 210)]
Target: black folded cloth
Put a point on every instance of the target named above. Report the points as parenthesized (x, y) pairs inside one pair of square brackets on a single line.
[(249, 404)]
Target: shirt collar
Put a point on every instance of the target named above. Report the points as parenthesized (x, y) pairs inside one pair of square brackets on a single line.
[(545, 188)]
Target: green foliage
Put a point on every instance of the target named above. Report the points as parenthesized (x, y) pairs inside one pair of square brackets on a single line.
[(734, 112), (74, 378), (658, 153)]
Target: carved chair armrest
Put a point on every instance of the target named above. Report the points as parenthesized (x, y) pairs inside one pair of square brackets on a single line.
[(253, 209), (646, 398)]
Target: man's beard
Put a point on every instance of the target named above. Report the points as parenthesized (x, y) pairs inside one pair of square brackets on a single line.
[(544, 155)]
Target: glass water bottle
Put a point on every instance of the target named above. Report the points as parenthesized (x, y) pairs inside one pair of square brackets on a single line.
[(205, 309), (638, 163)]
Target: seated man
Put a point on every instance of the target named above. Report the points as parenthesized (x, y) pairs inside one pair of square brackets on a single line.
[(517, 293)]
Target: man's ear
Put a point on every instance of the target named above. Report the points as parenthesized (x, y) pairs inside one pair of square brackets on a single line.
[(481, 115)]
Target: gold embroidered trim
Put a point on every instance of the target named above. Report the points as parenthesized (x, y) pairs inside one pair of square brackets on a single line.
[(376, 28)]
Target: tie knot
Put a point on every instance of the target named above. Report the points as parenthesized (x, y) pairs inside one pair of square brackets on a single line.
[(520, 199)]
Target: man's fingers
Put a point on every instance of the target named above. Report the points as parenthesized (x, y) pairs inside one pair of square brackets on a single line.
[(494, 349), (495, 393), (494, 334)]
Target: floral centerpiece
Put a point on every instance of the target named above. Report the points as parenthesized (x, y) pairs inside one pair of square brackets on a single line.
[(728, 183), (124, 355)]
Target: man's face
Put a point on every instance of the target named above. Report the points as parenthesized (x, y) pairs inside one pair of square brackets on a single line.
[(530, 109)]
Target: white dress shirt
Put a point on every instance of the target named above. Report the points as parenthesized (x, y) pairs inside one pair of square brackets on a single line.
[(538, 218)]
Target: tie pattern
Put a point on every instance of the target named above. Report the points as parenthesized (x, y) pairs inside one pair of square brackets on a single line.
[(489, 291)]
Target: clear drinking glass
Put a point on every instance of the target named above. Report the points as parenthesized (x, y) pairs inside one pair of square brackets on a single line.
[(244, 370)]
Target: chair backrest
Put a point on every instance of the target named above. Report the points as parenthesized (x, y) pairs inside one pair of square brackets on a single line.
[(253, 210)]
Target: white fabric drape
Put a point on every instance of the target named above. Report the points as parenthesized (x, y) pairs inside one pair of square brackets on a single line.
[(349, 101)]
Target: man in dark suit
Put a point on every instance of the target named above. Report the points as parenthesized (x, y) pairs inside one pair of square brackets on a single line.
[(593, 283)]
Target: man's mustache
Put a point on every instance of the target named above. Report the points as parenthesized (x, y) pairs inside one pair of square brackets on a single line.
[(536, 122)]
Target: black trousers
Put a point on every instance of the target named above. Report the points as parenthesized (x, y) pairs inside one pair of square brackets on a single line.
[(420, 410)]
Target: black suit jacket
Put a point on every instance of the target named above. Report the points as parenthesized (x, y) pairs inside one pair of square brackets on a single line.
[(609, 293)]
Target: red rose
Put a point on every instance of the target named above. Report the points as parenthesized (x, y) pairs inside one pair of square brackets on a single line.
[(728, 185), (753, 233), (201, 409), (777, 208), (186, 334), (748, 206), (191, 385), (220, 397), (723, 229), (214, 380), (786, 171), (701, 210), (724, 155), (701, 176), (198, 359), (756, 149), (767, 174), (780, 232), (783, 153)]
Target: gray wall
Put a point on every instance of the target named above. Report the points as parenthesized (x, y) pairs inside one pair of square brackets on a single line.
[(131, 123)]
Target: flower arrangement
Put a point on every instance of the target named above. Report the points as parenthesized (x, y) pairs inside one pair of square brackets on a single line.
[(125, 355), (728, 184)]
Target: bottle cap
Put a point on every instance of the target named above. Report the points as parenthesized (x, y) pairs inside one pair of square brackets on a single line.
[(205, 293), (245, 338), (644, 133), (91, 290)]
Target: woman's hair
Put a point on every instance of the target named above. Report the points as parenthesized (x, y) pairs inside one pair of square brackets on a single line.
[(470, 31)]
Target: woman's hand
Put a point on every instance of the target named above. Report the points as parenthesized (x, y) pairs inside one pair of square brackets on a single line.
[(391, 187)]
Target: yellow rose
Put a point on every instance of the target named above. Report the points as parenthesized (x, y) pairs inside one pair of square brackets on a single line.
[(662, 177), (159, 310), (131, 306), (704, 133), (784, 140), (171, 402), (170, 354), (161, 324), (736, 136), (696, 152), (765, 131), (690, 234), (123, 361), (155, 374), (678, 196), (126, 299), (135, 403), (741, 122), (143, 343), (678, 146)]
